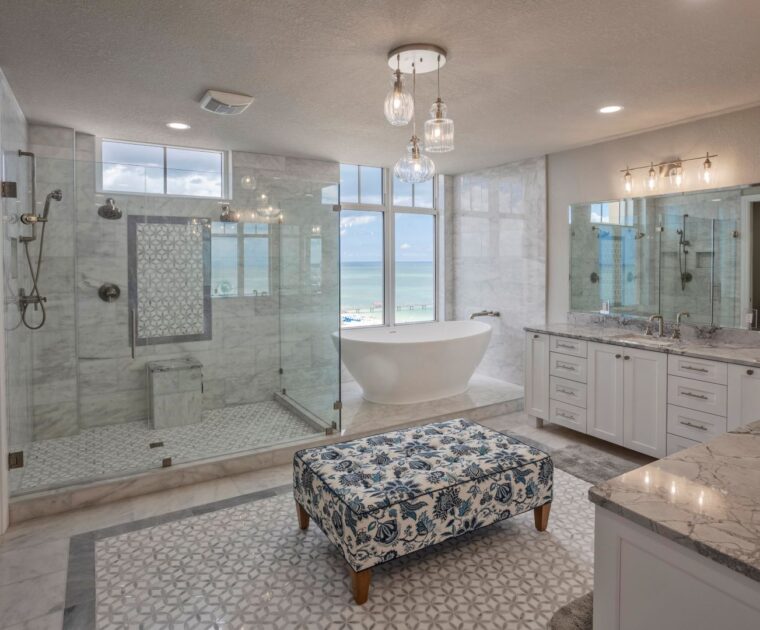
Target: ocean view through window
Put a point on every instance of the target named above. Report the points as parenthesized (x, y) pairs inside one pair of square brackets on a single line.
[(381, 284)]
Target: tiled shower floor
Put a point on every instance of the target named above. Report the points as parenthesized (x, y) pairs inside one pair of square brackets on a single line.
[(123, 448)]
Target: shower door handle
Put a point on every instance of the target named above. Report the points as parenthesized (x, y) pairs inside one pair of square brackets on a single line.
[(133, 335)]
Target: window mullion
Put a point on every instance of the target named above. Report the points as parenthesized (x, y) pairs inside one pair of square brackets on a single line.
[(389, 264)]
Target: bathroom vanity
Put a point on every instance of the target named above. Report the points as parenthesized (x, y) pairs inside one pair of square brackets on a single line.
[(653, 395), (677, 542)]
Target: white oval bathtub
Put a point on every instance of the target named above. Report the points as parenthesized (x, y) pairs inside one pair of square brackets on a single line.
[(414, 362)]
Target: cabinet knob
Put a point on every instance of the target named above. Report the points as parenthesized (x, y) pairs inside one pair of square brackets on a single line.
[(750, 372), (617, 356), (626, 357), (535, 336)]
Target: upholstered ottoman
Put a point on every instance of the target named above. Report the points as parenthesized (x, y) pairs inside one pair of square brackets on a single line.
[(388, 495)]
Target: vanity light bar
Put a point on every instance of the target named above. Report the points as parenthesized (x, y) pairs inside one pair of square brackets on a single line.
[(673, 169)]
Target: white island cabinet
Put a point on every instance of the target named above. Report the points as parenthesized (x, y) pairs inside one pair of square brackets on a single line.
[(743, 395)]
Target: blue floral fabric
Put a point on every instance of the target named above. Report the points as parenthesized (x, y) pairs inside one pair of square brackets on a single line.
[(384, 496)]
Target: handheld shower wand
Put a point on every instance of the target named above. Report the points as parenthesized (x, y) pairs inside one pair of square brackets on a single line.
[(34, 296)]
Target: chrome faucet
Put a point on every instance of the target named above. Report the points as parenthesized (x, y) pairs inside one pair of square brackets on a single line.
[(660, 325), (677, 329), (485, 314)]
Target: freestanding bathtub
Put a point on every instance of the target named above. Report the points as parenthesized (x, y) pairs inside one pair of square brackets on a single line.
[(414, 362)]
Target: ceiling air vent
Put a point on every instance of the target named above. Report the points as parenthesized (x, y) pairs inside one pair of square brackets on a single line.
[(225, 103)]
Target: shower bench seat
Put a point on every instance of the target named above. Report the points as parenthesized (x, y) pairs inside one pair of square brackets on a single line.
[(388, 495)]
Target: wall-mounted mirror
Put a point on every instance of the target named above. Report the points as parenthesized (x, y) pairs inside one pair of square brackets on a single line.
[(696, 252)]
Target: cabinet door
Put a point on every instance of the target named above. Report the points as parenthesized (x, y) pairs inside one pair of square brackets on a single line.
[(743, 395), (605, 392), (645, 401), (537, 375)]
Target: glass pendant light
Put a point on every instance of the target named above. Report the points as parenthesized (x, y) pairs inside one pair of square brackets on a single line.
[(707, 173), (399, 104), (628, 180), (676, 175), (652, 177), (415, 167), (266, 210), (248, 182), (439, 130)]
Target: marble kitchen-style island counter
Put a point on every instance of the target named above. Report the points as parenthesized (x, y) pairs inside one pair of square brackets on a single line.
[(678, 540)]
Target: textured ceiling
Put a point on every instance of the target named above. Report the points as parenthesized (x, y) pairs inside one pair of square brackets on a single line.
[(525, 77)]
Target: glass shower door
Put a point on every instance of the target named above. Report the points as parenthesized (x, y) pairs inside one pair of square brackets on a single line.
[(310, 302)]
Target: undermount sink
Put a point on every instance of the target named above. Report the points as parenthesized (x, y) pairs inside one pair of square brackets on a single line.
[(646, 340)]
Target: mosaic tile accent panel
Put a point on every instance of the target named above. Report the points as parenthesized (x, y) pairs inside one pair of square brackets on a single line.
[(123, 448), (249, 566), (170, 278)]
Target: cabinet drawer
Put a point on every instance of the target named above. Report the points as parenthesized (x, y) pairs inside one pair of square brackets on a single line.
[(568, 416), (698, 395), (695, 425), (567, 366), (576, 347), (567, 391), (699, 369), (677, 443)]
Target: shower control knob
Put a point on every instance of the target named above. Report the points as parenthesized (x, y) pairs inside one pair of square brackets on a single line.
[(109, 292)]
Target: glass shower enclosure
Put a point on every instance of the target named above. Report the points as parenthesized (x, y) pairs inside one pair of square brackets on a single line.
[(176, 329)]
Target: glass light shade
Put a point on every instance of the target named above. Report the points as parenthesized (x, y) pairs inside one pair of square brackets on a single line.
[(707, 171), (415, 167), (248, 182), (439, 130), (652, 178), (628, 181), (399, 104), (676, 175)]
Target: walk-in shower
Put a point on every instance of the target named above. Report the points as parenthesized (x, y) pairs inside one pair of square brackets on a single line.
[(33, 297)]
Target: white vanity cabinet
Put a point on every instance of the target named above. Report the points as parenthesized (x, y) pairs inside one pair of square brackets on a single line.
[(537, 375), (627, 397), (743, 395)]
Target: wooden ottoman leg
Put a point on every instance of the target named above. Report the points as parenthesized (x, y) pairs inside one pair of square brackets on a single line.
[(541, 516), (360, 584), (303, 517)]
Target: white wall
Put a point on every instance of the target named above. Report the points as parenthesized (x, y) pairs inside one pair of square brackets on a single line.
[(593, 173)]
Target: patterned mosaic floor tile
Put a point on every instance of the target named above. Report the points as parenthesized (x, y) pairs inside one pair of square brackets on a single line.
[(250, 566), (124, 448)]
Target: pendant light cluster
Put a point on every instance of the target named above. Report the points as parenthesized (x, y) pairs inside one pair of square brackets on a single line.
[(416, 167), (673, 172)]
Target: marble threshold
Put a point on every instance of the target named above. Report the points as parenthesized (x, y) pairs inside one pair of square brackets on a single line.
[(705, 498), (736, 353), (486, 398)]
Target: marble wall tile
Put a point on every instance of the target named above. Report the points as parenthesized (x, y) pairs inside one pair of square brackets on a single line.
[(498, 256)]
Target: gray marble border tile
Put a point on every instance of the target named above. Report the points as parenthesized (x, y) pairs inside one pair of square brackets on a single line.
[(79, 609)]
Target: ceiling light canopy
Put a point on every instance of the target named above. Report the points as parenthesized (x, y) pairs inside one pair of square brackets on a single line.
[(178, 125), (610, 109)]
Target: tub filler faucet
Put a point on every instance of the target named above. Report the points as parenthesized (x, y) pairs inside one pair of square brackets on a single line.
[(485, 314)]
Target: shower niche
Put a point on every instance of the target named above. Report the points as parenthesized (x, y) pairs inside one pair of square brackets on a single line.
[(685, 252)]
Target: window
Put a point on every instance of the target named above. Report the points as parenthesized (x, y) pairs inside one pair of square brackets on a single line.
[(129, 167), (239, 259), (380, 284)]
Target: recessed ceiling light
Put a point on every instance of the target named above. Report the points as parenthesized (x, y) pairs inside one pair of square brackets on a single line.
[(178, 125), (610, 109)]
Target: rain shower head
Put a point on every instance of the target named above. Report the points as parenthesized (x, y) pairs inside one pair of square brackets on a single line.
[(109, 210)]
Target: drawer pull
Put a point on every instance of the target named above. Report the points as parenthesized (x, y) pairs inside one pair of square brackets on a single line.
[(750, 372), (566, 366), (566, 345), (567, 392), (617, 356), (565, 415), (536, 336), (695, 369), (627, 358), (693, 395), (693, 426)]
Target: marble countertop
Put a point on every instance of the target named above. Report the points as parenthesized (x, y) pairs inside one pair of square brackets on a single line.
[(706, 498), (699, 349)]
